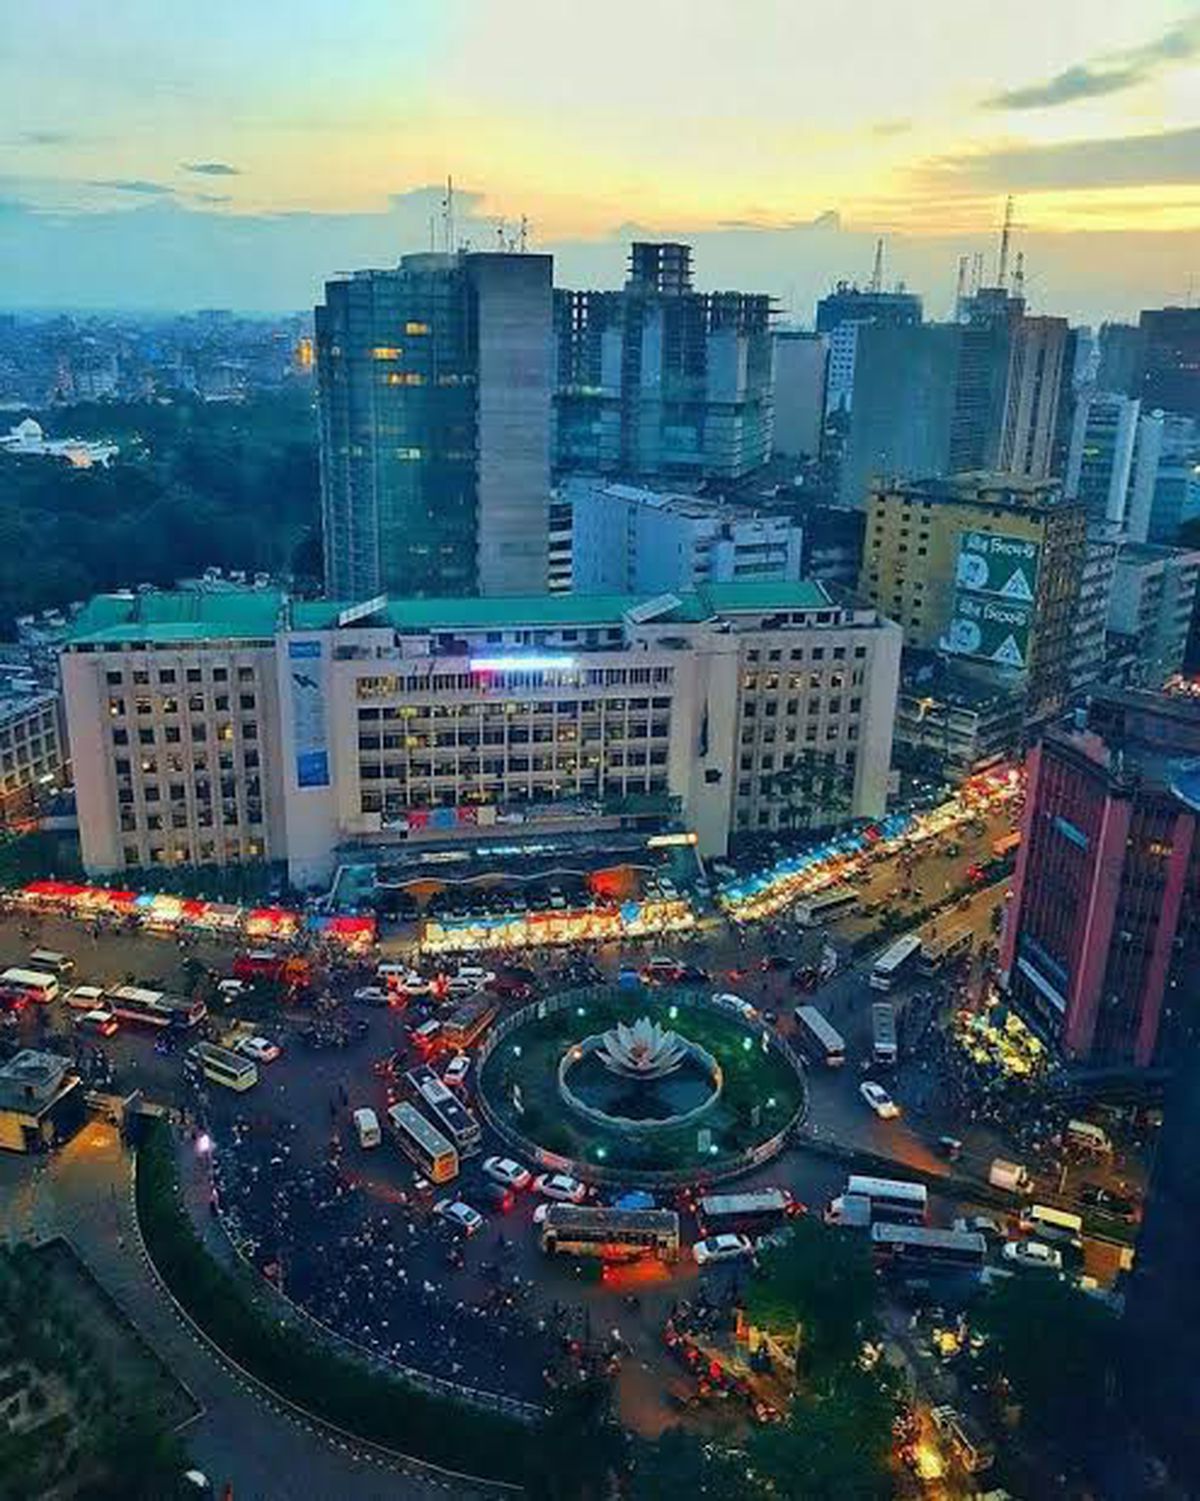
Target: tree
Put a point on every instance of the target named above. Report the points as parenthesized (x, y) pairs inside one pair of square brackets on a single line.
[(681, 1467), (578, 1446), (835, 1444), (823, 1281)]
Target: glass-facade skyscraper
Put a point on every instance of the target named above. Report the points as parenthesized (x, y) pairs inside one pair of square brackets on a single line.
[(435, 385)]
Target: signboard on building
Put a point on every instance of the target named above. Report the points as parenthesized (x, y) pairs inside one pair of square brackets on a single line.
[(995, 587), (306, 668)]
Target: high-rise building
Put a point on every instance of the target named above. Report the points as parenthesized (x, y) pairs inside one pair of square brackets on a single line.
[(985, 568), (1089, 623), (1107, 876), (800, 373), (659, 380), (1150, 610), (435, 389), (1166, 483), (1119, 368), (840, 315), (1170, 360), (1100, 459), (1038, 366)]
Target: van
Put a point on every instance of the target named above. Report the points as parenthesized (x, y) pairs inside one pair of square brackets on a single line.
[(366, 1124), (1086, 1137), (50, 962), (85, 997)]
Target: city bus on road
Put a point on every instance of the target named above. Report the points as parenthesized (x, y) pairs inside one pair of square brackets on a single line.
[(883, 1033), (450, 1115), (896, 958), (892, 1199), (611, 1234), (819, 1039), (220, 1066), (423, 1144), (751, 1213), (154, 1009), (29, 984), (916, 1245), (813, 911), (1052, 1224), (937, 953)]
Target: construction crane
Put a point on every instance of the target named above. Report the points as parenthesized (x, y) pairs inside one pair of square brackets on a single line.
[(876, 282)]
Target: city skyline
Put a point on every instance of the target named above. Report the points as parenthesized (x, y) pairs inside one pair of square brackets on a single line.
[(205, 162)]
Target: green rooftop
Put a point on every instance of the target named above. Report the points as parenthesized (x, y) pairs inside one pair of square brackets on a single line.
[(183, 615)]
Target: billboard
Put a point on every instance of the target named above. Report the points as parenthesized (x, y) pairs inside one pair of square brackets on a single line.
[(995, 586), (306, 669)]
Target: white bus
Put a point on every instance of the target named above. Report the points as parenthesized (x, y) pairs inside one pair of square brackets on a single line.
[(917, 1245), (30, 983), (750, 1213), (611, 1234), (813, 911), (220, 1066), (450, 1115), (819, 1039), (891, 1199), (154, 1009), (1051, 1224), (936, 953), (888, 966), (883, 1033), (422, 1143)]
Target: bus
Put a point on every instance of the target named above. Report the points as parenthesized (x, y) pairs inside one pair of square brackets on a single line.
[(891, 1199), (883, 1032), (888, 966), (819, 1039), (611, 1234), (31, 984), (936, 953), (220, 1066), (1052, 1224), (51, 962), (917, 1245), (750, 1213), (450, 1115), (423, 1144), (154, 1009), (1008, 845), (813, 911)]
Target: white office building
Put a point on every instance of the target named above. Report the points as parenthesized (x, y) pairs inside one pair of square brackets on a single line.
[(226, 728)]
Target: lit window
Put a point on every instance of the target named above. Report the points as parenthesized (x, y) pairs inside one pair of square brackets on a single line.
[(416, 328), (386, 352)]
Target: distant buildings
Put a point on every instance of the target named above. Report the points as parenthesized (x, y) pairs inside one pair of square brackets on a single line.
[(629, 540), (1170, 360), (800, 374), (1100, 456), (27, 440), (434, 387), (1150, 612), (1107, 879), (33, 758), (840, 316), (659, 380)]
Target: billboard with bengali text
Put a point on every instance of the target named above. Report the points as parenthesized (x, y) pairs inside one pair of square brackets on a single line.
[(995, 588)]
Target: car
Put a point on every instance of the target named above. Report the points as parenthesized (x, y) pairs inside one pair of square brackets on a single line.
[(408, 981), (496, 1196), (982, 1224), (722, 1248), (459, 1216), (370, 995), (99, 1023), (456, 1070), (660, 969), (506, 1172), (261, 1049), (560, 1186), (693, 974), (85, 998), (230, 990), (1033, 1253), (879, 1100), (427, 1037), (730, 1002), (1107, 1201)]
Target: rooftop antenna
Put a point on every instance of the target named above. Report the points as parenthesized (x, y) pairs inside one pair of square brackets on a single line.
[(1019, 276), (501, 241), (1005, 237), (876, 282), (523, 235), (976, 272), (960, 290), (448, 215)]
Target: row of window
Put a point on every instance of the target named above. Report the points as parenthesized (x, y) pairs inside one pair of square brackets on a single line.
[(806, 654), (207, 852), (173, 735), (165, 677), (168, 704)]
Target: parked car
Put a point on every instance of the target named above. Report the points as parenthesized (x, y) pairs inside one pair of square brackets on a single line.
[(85, 997), (261, 1049), (735, 1003), (727, 1247), (456, 1070), (506, 1172), (879, 1100), (560, 1186), (459, 1216), (98, 1023), (1033, 1253)]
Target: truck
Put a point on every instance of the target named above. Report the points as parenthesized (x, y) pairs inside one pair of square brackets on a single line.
[(1013, 1177)]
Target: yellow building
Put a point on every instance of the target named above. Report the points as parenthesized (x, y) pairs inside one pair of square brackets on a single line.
[(985, 568)]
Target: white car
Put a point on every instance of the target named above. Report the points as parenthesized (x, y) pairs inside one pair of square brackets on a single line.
[(879, 1100), (506, 1172), (1033, 1253), (735, 1003), (85, 998), (459, 1216), (229, 990), (261, 1049), (560, 1186), (456, 1070), (371, 995), (721, 1248), (414, 984)]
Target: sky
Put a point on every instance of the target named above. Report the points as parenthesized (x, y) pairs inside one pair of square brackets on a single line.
[(170, 154)]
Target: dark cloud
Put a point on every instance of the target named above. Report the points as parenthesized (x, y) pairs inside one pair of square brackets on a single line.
[(212, 169), (45, 138), (132, 185), (1117, 162), (1109, 74), (211, 197)]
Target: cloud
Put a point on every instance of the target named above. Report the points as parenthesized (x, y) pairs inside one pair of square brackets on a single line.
[(1108, 74), (212, 169), (45, 138), (132, 185), (1115, 162), (891, 128), (211, 197)]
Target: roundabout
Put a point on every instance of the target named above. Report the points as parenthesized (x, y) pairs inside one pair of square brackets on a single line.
[(641, 1086)]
